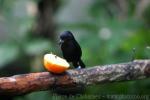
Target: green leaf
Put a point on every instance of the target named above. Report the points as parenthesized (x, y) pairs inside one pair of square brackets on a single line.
[(35, 47), (8, 53)]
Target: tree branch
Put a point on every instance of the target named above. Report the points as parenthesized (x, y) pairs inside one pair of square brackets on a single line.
[(26, 83)]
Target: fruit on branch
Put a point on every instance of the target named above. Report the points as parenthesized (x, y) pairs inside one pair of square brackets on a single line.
[(55, 64)]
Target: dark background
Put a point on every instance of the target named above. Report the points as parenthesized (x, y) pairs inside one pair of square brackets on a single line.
[(107, 31)]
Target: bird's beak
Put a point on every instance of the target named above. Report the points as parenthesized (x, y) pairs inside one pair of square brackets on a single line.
[(61, 41)]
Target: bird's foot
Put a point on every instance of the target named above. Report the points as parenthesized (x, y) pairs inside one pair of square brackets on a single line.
[(79, 67)]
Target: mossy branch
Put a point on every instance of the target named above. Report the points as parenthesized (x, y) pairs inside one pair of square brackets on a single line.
[(26, 83)]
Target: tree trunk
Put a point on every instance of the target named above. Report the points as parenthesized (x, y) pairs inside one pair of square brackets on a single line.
[(45, 25)]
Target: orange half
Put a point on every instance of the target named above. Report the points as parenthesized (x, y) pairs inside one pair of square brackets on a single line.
[(55, 64)]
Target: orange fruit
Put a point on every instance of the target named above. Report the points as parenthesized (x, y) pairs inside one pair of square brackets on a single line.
[(55, 64)]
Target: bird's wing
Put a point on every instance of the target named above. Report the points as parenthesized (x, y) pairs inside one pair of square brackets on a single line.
[(78, 48)]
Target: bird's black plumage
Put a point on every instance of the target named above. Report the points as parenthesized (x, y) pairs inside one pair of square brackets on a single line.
[(71, 49)]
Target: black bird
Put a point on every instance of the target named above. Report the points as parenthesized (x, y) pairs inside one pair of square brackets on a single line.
[(71, 49)]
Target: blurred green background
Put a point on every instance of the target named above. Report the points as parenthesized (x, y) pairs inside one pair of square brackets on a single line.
[(107, 31)]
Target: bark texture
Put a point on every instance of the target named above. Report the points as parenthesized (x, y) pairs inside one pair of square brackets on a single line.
[(26, 83)]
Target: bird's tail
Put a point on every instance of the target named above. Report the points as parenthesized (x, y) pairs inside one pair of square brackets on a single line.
[(81, 64)]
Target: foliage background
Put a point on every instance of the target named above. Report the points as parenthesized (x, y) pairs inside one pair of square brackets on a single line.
[(107, 31)]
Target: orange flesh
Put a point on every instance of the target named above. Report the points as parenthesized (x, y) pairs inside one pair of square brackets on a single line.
[(55, 64)]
